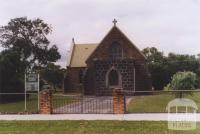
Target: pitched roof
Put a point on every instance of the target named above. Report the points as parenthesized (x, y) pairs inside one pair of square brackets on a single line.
[(80, 53), (115, 27)]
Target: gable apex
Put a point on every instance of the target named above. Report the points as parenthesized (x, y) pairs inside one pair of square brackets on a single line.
[(115, 29), (131, 42)]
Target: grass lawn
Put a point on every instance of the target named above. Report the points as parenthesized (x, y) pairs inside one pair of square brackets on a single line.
[(156, 103), (19, 106), (32, 104), (89, 127), (60, 100)]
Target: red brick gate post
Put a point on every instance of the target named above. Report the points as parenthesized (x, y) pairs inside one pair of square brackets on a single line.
[(119, 101), (46, 102)]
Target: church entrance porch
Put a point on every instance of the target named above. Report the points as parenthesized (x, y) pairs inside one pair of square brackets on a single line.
[(113, 78), (111, 74)]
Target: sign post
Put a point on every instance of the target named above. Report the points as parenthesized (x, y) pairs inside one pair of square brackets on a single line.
[(25, 93), (31, 84), (38, 91)]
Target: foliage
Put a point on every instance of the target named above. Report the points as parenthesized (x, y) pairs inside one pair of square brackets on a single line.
[(11, 78), (26, 46), (53, 74), (157, 67), (162, 68), (153, 55), (182, 81), (29, 39), (10, 68)]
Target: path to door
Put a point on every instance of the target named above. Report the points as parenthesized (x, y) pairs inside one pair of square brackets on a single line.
[(89, 105)]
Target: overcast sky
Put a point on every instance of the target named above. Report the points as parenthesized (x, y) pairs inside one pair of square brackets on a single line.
[(169, 25)]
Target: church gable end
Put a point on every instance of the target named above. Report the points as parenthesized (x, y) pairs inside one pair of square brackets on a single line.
[(115, 44)]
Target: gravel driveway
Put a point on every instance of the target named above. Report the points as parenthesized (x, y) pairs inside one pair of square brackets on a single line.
[(90, 105)]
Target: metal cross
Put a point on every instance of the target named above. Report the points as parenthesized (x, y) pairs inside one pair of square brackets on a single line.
[(114, 22)]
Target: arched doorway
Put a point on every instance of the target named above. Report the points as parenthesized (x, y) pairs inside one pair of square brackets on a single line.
[(113, 78)]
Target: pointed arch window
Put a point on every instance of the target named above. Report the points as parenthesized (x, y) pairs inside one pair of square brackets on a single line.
[(116, 51)]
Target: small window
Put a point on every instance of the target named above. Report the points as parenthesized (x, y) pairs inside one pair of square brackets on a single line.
[(116, 50)]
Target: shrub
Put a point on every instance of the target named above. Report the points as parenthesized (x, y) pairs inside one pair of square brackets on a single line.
[(183, 81)]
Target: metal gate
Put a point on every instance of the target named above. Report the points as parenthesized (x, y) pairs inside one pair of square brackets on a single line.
[(63, 104)]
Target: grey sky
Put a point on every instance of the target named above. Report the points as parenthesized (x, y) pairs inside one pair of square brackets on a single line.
[(170, 25)]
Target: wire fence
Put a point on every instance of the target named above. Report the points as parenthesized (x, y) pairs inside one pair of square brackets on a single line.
[(185, 101), (137, 102), (63, 104), (14, 103)]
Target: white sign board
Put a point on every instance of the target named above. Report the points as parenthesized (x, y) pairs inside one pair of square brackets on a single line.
[(32, 80), (32, 84), (32, 77)]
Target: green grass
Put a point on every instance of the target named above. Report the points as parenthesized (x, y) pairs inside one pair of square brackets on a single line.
[(60, 100), (89, 127), (32, 104), (19, 106), (140, 104), (156, 103)]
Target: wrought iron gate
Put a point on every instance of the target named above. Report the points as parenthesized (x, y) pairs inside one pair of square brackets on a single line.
[(82, 104)]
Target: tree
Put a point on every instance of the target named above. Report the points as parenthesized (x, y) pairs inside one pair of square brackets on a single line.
[(182, 62), (157, 67), (53, 74), (182, 81), (29, 39), (26, 46), (162, 68), (11, 78), (153, 55)]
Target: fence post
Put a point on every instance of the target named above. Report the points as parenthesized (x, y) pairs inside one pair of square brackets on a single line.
[(46, 102), (119, 104)]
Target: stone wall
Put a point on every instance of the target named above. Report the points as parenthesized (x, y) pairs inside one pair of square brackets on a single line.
[(89, 83), (94, 81), (102, 51), (126, 69), (72, 80)]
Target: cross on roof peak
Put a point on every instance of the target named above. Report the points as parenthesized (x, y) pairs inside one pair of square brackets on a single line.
[(114, 22)]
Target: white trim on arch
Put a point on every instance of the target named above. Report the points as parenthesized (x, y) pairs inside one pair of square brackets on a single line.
[(119, 78)]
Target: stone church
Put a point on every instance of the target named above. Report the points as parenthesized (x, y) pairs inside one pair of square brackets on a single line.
[(115, 62)]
